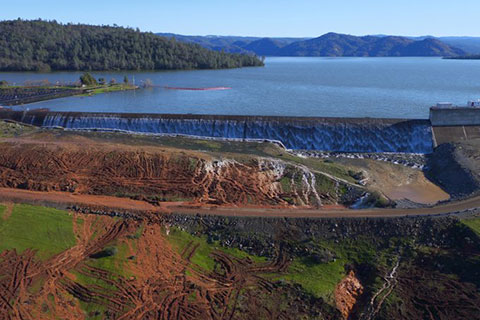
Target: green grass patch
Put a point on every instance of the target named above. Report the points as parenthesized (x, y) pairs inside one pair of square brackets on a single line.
[(114, 264), (473, 224), (240, 254), (89, 281), (360, 250), (50, 231), (319, 279), (325, 185), (202, 258), (93, 311), (181, 239), (286, 184), (12, 129), (2, 209), (334, 169), (110, 88)]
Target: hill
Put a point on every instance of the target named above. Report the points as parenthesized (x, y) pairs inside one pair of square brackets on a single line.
[(333, 44), (337, 45), (264, 46), (468, 44), (233, 44), (47, 45)]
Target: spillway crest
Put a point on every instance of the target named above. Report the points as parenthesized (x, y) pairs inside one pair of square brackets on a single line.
[(328, 134)]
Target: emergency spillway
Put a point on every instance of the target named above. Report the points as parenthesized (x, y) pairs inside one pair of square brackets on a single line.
[(328, 134)]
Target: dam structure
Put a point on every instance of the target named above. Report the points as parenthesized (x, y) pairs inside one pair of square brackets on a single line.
[(453, 123), (296, 133)]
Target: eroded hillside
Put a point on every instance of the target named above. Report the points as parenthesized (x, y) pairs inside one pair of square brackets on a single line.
[(81, 165), (58, 264)]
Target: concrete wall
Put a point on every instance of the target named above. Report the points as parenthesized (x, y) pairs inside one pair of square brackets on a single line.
[(455, 116), (443, 134)]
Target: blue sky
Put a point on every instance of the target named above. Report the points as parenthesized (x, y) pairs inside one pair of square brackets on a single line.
[(262, 17)]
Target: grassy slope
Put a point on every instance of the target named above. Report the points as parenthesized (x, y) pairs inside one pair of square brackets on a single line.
[(10, 129), (111, 88), (49, 231), (319, 279), (202, 258), (115, 266), (181, 239), (473, 224), (52, 233)]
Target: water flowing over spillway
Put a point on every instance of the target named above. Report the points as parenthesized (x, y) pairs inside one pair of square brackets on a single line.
[(329, 134)]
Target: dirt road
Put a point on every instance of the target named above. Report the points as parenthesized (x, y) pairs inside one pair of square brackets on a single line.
[(114, 203)]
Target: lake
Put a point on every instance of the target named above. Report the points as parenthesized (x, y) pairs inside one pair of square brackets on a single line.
[(287, 86)]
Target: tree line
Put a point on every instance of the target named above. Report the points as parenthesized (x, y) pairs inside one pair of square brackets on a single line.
[(39, 45)]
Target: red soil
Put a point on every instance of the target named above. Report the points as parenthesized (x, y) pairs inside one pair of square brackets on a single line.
[(164, 284), (145, 172), (346, 294)]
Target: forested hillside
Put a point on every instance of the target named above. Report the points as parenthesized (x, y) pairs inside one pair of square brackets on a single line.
[(47, 45)]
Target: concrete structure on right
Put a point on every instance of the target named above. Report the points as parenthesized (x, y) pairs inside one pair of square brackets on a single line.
[(444, 114), (452, 123)]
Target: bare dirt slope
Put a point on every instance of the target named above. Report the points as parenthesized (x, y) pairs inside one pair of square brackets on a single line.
[(84, 166), (150, 279), (397, 182)]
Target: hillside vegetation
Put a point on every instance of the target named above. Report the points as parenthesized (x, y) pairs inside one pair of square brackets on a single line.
[(47, 45)]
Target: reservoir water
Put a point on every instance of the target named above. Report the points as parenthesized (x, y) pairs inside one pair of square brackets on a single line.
[(289, 86)]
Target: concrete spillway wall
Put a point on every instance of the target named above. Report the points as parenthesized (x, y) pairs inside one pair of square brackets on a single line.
[(328, 134), (456, 116)]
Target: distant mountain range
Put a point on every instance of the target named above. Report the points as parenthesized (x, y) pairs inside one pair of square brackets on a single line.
[(231, 44), (336, 45)]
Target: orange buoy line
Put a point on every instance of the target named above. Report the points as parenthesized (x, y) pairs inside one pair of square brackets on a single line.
[(197, 89)]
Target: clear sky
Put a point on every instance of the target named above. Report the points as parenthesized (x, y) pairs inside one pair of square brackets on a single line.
[(293, 18)]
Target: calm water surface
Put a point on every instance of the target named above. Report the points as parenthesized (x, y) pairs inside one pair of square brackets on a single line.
[(329, 87)]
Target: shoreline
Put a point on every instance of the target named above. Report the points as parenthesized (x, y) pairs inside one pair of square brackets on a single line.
[(55, 92)]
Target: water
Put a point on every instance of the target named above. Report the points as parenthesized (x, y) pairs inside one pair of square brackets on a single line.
[(327, 134), (324, 87)]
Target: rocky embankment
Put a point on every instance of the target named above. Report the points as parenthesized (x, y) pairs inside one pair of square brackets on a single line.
[(260, 236), (411, 160), (456, 168)]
